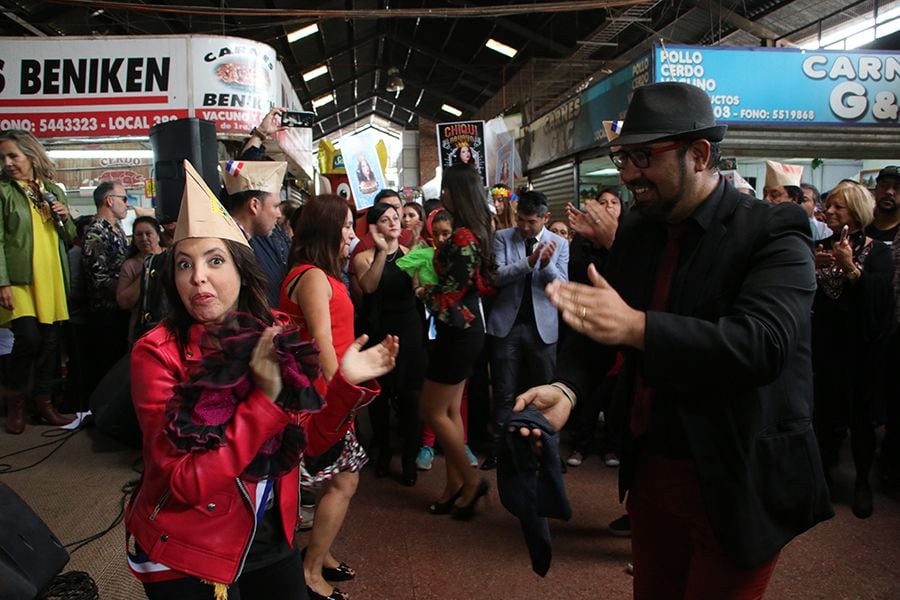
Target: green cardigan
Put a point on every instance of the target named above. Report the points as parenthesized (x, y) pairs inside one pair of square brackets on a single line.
[(16, 243)]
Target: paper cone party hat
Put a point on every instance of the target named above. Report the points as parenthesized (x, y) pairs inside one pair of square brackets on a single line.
[(612, 129), (257, 175), (202, 215), (778, 174)]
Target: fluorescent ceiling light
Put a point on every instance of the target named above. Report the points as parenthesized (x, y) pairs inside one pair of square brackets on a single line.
[(88, 154), (317, 72), (452, 110), (603, 173), (501, 48), (323, 100), (301, 33)]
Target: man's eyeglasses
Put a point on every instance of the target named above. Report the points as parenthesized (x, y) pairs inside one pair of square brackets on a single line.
[(117, 196), (640, 157)]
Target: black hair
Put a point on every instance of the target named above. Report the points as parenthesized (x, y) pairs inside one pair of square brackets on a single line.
[(612, 191), (133, 249), (795, 193), (469, 199), (103, 190), (377, 211), (533, 203), (817, 197), (252, 298), (386, 193), (430, 204), (418, 208), (238, 200)]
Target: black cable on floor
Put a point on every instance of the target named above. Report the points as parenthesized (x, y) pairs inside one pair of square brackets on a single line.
[(74, 585), (127, 489), (58, 437)]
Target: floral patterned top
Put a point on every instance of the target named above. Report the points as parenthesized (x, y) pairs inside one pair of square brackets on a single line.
[(454, 299), (105, 247)]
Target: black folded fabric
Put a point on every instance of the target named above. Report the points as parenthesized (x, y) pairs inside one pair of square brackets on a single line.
[(530, 483)]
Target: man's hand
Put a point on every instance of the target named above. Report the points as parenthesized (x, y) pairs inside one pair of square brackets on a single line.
[(552, 403), (271, 123), (598, 311), (547, 251)]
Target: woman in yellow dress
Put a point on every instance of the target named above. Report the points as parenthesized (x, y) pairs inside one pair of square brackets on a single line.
[(34, 274)]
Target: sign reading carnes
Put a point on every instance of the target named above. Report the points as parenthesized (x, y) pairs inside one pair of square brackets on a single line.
[(86, 87)]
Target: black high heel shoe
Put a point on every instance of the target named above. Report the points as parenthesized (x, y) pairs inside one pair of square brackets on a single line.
[(466, 512), (444, 508), (335, 595)]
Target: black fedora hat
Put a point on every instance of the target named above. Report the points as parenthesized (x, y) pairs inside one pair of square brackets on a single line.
[(661, 111)]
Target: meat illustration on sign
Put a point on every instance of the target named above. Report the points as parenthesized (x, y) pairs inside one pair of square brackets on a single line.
[(243, 74)]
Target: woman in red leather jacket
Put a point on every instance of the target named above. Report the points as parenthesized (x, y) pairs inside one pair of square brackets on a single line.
[(217, 502)]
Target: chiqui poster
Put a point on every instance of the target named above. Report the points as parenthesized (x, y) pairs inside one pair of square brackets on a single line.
[(463, 142)]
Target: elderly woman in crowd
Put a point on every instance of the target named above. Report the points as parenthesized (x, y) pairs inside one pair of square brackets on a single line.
[(34, 274), (852, 315), (145, 236), (226, 407)]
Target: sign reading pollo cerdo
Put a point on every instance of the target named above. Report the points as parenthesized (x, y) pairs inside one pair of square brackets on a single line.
[(787, 86), (86, 87)]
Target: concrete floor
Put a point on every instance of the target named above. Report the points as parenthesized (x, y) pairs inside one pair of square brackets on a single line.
[(401, 552)]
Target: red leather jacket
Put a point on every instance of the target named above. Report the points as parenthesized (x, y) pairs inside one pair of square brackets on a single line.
[(192, 513)]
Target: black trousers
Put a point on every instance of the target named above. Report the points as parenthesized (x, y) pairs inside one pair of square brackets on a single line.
[(519, 360), (35, 351), (282, 580)]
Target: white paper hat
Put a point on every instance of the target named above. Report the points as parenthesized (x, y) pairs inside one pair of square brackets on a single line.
[(257, 175), (778, 174), (201, 214)]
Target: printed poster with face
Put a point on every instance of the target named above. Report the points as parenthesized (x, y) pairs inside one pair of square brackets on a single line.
[(463, 143), (363, 168)]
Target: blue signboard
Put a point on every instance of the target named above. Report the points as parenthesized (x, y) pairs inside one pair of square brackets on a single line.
[(577, 124), (788, 86)]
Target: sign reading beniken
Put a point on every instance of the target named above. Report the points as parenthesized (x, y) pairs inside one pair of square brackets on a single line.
[(788, 86)]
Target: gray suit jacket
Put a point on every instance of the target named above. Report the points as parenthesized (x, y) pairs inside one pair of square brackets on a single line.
[(512, 263)]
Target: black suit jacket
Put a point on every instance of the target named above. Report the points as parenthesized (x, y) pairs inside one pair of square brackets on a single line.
[(732, 353)]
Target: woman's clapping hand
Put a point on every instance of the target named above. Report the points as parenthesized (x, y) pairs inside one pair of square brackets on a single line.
[(360, 365)]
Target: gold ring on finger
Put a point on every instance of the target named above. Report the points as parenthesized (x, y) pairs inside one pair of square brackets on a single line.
[(583, 313)]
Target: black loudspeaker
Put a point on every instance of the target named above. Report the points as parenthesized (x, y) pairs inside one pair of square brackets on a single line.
[(30, 555), (172, 142), (112, 408)]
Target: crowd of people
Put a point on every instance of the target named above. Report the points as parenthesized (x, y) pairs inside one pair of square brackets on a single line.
[(720, 337)]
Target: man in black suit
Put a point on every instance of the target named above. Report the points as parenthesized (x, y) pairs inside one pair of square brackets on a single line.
[(708, 294)]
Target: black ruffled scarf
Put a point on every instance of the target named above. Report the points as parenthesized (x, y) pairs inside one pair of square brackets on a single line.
[(203, 406)]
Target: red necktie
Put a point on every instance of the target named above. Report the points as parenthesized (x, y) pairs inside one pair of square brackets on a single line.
[(665, 272)]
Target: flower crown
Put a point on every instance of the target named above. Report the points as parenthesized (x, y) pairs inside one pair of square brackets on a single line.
[(500, 191)]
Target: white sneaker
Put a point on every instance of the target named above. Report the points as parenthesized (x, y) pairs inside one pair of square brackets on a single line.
[(610, 460), (575, 459)]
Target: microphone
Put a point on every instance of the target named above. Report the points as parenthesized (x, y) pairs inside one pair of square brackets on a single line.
[(50, 199)]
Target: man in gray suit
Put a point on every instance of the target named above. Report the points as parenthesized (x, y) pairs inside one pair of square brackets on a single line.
[(522, 323)]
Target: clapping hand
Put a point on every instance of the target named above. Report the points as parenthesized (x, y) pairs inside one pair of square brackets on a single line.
[(360, 365), (598, 311), (379, 239), (546, 251), (264, 367)]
